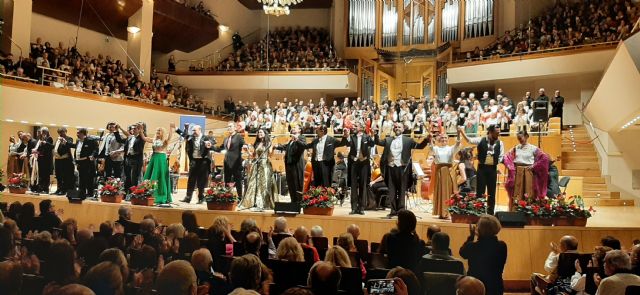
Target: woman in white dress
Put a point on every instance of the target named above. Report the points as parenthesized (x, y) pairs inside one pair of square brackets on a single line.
[(443, 156)]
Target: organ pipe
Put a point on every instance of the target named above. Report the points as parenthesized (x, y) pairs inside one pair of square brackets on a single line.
[(362, 23)]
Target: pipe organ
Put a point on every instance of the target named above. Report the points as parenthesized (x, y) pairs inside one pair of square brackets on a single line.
[(362, 23), (478, 18), (450, 19), (389, 23)]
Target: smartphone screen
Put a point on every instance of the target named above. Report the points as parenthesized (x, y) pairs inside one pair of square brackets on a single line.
[(383, 287)]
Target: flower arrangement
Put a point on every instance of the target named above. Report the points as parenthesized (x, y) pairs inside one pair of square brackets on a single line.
[(111, 187), (535, 207), (467, 204), (571, 207), (220, 192), (319, 197), (18, 180), (144, 190)]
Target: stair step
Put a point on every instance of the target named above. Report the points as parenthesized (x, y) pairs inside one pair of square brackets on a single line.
[(582, 161), (609, 202), (580, 172), (599, 194), (587, 166), (593, 180), (571, 154), (594, 186)]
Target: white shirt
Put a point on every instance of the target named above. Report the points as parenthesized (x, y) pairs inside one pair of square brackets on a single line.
[(131, 140), (525, 154), (396, 152), (320, 147), (79, 149), (196, 147), (476, 141), (107, 145), (358, 144), (445, 154)]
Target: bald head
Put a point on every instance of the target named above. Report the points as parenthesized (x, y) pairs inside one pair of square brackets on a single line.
[(84, 235), (75, 289), (177, 277), (201, 259), (301, 234), (324, 278), (432, 229), (470, 286), (354, 230), (568, 243)]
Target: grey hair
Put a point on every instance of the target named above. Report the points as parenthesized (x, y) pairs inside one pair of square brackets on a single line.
[(317, 231), (280, 224), (618, 259), (124, 211)]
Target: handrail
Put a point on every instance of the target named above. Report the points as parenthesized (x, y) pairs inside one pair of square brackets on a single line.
[(590, 124), (27, 79), (215, 54), (566, 48)]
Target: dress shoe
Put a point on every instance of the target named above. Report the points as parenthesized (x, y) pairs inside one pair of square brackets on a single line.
[(353, 212), (61, 193), (361, 212), (186, 200), (200, 201), (57, 192)]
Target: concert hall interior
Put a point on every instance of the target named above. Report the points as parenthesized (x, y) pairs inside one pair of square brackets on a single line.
[(451, 146)]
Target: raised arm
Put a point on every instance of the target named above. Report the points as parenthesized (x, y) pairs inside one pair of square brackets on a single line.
[(142, 135), (424, 143), (471, 140)]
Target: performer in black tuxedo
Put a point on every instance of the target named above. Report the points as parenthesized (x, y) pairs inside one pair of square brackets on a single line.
[(490, 154), (45, 160), (133, 154), (63, 159), (360, 145), (86, 153), (323, 156), (396, 164), (197, 148), (111, 152), (294, 163), (233, 144)]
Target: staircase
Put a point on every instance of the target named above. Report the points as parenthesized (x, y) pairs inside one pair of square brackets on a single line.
[(580, 159)]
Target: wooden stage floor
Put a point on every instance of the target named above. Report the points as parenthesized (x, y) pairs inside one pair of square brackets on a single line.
[(528, 247)]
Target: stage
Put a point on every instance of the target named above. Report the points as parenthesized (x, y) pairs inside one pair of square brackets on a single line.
[(528, 247)]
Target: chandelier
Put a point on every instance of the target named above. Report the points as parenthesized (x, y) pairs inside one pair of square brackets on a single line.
[(278, 7)]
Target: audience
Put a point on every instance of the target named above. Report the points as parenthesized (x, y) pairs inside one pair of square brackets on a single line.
[(290, 250), (568, 23), (324, 278), (337, 256), (440, 252), (403, 246), (177, 278), (617, 267), (469, 286), (408, 279), (487, 255), (302, 236), (286, 49)]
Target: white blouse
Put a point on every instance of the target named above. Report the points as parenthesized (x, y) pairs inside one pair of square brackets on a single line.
[(525, 154), (445, 154)]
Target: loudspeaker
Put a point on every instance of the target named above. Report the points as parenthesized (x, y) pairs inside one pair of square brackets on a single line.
[(540, 111), (287, 208), (511, 219), (74, 196)]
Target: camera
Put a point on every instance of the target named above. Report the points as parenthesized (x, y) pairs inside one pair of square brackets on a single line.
[(381, 287)]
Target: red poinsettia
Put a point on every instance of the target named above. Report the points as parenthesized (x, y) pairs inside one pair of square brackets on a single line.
[(221, 193), (467, 204), (318, 196)]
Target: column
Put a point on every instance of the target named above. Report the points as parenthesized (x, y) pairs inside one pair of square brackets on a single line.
[(139, 40), (17, 14)]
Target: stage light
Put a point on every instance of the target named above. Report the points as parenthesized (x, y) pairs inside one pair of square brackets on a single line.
[(223, 28), (133, 29), (8, 120), (24, 122), (38, 123)]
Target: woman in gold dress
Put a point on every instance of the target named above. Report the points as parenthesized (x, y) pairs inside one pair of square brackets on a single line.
[(261, 187)]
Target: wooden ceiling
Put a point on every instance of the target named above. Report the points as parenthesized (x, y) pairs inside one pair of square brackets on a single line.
[(306, 4), (115, 13), (174, 26)]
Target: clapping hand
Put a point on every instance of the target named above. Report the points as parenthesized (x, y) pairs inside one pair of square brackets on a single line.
[(577, 266), (172, 125), (472, 230), (12, 139), (554, 247)]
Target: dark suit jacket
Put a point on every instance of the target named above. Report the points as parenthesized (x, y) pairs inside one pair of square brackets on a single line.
[(233, 157), (329, 151), (65, 149), (365, 146), (293, 152), (403, 249), (138, 145), (45, 153), (486, 257), (407, 145), (89, 148), (190, 144)]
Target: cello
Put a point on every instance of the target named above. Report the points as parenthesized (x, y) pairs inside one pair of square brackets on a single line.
[(308, 175)]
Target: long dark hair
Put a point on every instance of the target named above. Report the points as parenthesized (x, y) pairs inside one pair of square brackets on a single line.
[(266, 141)]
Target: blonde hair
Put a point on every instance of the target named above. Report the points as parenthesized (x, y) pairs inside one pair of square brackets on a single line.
[(220, 225), (175, 230), (201, 259), (289, 249), (345, 241), (488, 226), (338, 257)]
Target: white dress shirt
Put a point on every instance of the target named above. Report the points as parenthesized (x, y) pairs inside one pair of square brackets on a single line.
[(196, 147), (132, 140), (79, 149), (476, 141), (396, 152), (320, 147)]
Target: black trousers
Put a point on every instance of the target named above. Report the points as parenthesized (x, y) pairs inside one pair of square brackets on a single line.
[(86, 178), (233, 174), (295, 179), (44, 174), (132, 171), (64, 174), (322, 173), (359, 183), (486, 182), (112, 168), (397, 183), (198, 176)]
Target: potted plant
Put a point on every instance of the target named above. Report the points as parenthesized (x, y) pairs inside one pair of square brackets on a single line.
[(570, 211), (466, 208), (18, 183), (539, 211), (112, 190), (142, 194), (221, 196), (318, 200)]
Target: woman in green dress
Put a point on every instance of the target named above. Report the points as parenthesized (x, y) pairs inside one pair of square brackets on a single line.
[(158, 167)]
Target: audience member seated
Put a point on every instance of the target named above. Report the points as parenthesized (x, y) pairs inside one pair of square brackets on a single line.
[(431, 230), (487, 255), (201, 260), (10, 277), (61, 268), (247, 272), (407, 278), (219, 235), (635, 259), (106, 278), (337, 256), (290, 250), (611, 242), (469, 286), (48, 218), (440, 259), (565, 24), (317, 231), (288, 50), (124, 219), (177, 278), (617, 267), (403, 246), (190, 222), (324, 278), (302, 236), (354, 230), (552, 282)]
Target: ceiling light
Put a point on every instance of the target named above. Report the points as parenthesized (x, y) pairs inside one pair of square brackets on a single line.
[(8, 120), (133, 29), (631, 122), (65, 125), (38, 123), (53, 124), (223, 28), (24, 122)]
